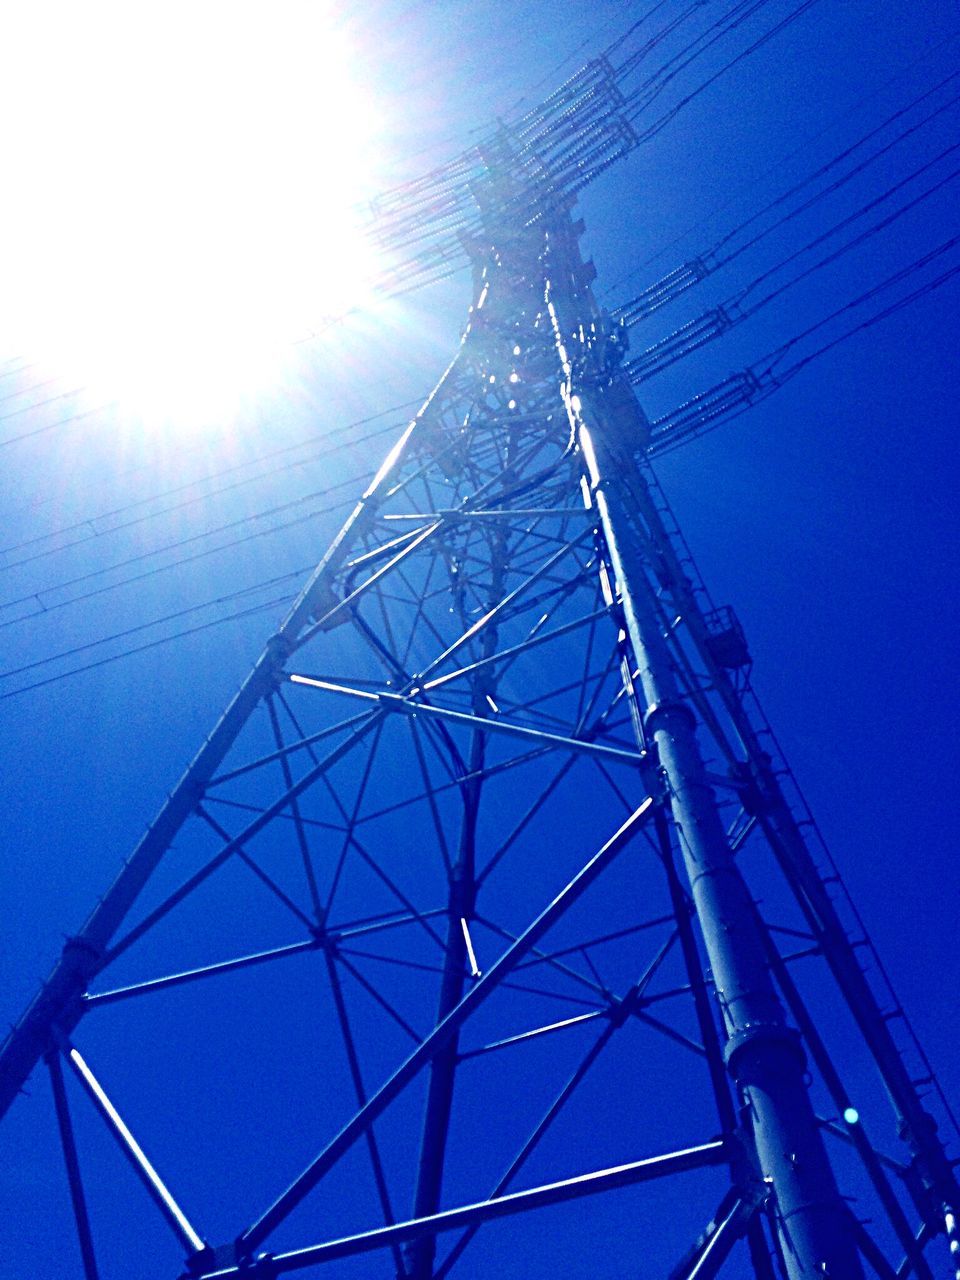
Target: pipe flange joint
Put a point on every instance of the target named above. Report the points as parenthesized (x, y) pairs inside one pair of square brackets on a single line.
[(659, 715), (744, 1051)]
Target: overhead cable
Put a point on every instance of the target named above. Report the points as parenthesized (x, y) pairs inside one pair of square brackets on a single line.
[(677, 281), (740, 391), (85, 526), (715, 321)]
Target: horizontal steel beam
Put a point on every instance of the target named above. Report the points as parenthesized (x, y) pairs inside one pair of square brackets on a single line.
[(472, 1215), (410, 706), (502, 513), (91, 998)]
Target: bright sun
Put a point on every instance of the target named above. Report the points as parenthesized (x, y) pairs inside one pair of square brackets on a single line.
[(180, 186)]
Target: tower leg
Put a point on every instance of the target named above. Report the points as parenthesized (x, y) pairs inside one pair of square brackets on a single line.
[(763, 1054)]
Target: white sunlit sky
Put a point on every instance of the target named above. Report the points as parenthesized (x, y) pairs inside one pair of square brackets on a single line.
[(178, 208), (188, 305)]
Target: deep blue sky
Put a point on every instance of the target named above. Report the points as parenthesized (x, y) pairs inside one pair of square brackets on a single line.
[(826, 514)]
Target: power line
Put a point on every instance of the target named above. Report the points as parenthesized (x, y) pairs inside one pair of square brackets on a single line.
[(152, 644), (721, 261), (927, 288), (457, 171), (854, 243), (704, 264), (714, 322), (87, 522), (45, 609), (738, 393), (60, 422), (730, 21), (848, 151), (329, 322), (761, 40), (787, 157), (644, 94), (714, 407), (74, 650)]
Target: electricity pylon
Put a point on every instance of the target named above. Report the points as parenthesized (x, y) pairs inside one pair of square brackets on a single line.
[(497, 805)]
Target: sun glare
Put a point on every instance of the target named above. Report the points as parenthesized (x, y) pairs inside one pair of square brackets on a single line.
[(180, 189)]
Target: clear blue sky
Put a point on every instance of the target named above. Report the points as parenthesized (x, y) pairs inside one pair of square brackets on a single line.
[(826, 514)]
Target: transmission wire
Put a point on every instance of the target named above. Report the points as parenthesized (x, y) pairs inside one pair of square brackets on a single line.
[(88, 521), (791, 155)]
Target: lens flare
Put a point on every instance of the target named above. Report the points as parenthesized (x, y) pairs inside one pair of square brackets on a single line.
[(186, 177)]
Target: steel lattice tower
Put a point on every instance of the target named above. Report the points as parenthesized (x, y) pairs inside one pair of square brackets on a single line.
[(501, 786)]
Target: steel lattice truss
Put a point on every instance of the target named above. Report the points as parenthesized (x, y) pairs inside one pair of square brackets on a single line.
[(426, 878)]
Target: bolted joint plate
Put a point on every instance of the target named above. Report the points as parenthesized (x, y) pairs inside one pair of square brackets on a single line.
[(229, 1260)]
